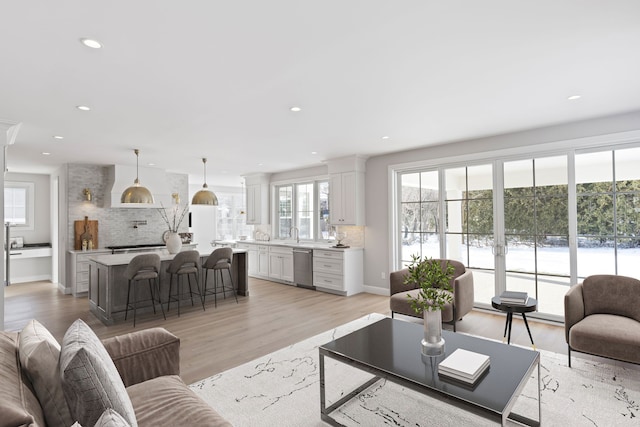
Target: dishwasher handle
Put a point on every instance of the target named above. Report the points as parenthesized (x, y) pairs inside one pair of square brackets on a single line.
[(302, 251)]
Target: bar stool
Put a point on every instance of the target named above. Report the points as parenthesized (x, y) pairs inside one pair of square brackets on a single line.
[(185, 263), (143, 267), (220, 259)]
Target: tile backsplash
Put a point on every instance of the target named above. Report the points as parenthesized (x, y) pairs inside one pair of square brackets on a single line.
[(116, 225)]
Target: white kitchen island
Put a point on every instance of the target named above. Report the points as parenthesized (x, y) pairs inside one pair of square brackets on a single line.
[(108, 286)]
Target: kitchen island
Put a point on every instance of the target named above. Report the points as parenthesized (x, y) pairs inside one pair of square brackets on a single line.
[(108, 286)]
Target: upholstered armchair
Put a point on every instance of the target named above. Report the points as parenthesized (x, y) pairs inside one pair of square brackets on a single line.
[(602, 317), (462, 285)]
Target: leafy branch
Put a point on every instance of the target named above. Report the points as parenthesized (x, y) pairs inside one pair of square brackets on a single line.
[(434, 281), (174, 222)]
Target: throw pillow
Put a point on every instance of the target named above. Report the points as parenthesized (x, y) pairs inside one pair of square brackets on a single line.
[(109, 418), (39, 354), (90, 380)]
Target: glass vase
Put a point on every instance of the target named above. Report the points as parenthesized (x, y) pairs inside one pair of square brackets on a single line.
[(432, 343)]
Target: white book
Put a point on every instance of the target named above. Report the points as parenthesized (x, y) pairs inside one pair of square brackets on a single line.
[(464, 363)]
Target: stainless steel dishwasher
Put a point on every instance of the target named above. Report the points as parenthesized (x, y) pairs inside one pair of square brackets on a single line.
[(303, 268)]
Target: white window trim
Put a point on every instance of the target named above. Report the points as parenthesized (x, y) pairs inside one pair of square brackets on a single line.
[(295, 181), (30, 201)]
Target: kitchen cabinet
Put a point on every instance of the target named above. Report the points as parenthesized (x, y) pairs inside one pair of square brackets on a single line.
[(78, 269), (346, 193), (257, 198), (252, 254), (29, 264), (339, 272), (281, 264), (263, 261)]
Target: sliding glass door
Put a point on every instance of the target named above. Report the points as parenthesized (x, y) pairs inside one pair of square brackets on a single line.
[(469, 233), (536, 230), (537, 224), (608, 212)]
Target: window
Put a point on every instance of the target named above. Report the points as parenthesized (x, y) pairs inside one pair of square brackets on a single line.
[(419, 215), (608, 212), (19, 204), (231, 217), (304, 206)]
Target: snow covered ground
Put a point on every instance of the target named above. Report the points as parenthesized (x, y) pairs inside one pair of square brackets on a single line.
[(553, 269)]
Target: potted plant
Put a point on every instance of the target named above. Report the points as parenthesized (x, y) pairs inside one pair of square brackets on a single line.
[(434, 284), (173, 239)]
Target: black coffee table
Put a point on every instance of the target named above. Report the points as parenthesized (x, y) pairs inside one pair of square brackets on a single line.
[(530, 306), (390, 349)]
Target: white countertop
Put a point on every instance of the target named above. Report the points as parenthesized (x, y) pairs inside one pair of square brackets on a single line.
[(123, 259), (302, 245)]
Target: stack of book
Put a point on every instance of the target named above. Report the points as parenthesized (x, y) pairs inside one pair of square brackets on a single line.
[(515, 298), (464, 365)]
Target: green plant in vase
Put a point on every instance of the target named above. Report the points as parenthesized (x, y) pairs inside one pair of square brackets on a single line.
[(434, 284)]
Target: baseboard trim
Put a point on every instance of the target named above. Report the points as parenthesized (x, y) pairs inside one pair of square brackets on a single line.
[(376, 290)]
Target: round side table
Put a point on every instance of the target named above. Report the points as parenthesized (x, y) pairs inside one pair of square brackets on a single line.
[(530, 306)]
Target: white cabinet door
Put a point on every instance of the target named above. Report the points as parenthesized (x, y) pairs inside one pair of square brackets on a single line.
[(335, 199), (253, 262), (275, 266), (287, 268), (253, 204), (346, 193), (263, 262)]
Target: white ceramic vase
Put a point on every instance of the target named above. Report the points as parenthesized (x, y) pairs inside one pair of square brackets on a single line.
[(432, 343), (174, 243)]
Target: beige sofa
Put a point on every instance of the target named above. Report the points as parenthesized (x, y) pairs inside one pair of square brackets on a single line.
[(462, 285), (602, 317), (45, 384)]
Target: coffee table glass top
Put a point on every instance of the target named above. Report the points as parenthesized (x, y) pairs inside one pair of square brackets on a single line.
[(393, 346)]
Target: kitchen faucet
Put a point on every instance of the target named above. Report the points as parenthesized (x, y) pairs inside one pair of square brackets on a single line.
[(297, 230)]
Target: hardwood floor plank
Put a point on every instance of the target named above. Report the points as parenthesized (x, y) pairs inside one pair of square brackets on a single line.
[(272, 317)]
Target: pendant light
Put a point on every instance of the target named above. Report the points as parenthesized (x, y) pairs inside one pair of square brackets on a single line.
[(205, 196), (136, 193)]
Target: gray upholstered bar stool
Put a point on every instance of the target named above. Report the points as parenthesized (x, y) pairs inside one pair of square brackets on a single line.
[(220, 259), (143, 267), (186, 263)]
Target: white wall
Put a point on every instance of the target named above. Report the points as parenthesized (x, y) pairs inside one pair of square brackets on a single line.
[(41, 232), (377, 254)]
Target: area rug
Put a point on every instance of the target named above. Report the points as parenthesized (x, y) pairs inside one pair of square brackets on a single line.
[(282, 389)]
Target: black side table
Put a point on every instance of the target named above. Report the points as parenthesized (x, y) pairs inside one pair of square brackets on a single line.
[(531, 305)]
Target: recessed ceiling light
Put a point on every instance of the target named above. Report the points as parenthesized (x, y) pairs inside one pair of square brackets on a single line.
[(574, 97), (58, 137), (385, 137), (151, 164), (44, 153), (295, 109), (314, 152), (260, 164), (83, 107), (93, 44)]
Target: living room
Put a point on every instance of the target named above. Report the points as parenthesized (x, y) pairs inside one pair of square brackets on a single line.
[(510, 76)]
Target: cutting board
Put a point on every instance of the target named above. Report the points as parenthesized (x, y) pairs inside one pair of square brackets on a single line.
[(85, 226)]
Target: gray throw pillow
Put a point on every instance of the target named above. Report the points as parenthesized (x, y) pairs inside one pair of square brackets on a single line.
[(109, 418), (90, 380), (39, 354)]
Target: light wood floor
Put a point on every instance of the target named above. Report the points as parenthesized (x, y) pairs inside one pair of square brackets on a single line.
[(272, 317)]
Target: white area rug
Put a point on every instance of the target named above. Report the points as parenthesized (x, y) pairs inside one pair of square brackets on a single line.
[(282, 389)]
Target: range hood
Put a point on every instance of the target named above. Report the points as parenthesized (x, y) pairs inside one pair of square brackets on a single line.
[(120, 177)]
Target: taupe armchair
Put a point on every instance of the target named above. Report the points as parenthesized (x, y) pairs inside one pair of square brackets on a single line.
[(602, 317), (462, 284)]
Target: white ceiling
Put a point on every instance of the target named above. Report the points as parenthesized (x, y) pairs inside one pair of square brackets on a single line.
[(182, 80)]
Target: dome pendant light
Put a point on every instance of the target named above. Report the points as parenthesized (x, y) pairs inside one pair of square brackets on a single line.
[(136, 193), (205, 196)]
